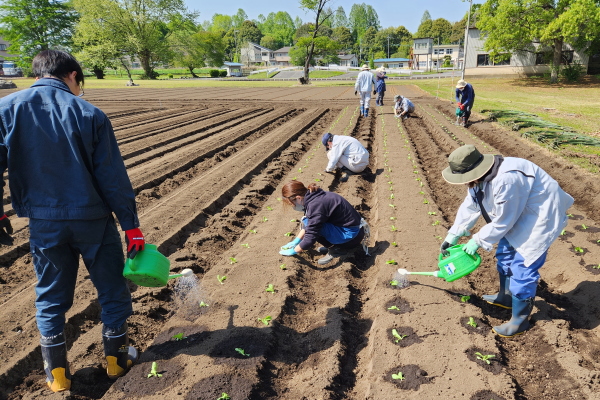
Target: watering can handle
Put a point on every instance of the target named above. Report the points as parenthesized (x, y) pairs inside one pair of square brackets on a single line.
[(131, 264), (475, 256)]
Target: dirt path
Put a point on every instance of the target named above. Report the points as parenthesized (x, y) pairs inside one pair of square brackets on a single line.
[(208, 167)]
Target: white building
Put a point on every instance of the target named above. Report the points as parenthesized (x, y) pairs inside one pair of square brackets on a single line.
[(348, 60), (255, 54), (282, 56), (479, 62)]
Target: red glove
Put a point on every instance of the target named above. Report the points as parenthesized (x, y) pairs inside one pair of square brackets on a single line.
[(462, 107), (6, 230), (134, 238)]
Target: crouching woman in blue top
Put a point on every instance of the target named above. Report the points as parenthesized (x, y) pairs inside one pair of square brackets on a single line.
[(328, 219)]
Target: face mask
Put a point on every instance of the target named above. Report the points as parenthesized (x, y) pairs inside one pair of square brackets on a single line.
[(298, 207)]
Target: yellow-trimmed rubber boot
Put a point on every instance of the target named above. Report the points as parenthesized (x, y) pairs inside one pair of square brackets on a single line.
[(519, 323), (54, 354), (119, 355), (503, 298)]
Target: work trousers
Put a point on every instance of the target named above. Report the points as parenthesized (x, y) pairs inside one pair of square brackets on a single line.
[(365, 99), (353, 162), (56, 247), (523, 280)]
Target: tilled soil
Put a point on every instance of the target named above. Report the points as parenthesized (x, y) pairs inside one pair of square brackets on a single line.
[(208, 166)]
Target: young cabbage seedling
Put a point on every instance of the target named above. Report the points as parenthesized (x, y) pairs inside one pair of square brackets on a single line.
[(425, 201), (485, 358), (394, 244), (391, 205), (269, 208), (202, 304), (242, 352), (279, 199), (394, 283), (154, 370), (221, 278), (436, 223), (393, 218), (252, 230), (399, 375), (246, 245), (392, 262), (392, 196), (270, 288), (265, 219), (232, 260), (393, 228), (265, 320), (472, 322), (431, 213), (596, 266), (583, 226), (398, 336), (224, 396), (282, 266), (578, 249), (179, 336), (394, 308), (288, 234), (563, 232), (465, 298)]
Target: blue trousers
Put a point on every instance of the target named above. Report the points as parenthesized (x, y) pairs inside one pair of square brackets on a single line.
[(523, 280), (56, 247)]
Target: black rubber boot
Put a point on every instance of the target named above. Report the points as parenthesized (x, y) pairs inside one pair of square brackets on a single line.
[(519, 323), (54, 354), (119, 355), (503, 298)]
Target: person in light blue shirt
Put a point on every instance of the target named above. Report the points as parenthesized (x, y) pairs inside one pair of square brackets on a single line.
[(363, 86), (525, 211)]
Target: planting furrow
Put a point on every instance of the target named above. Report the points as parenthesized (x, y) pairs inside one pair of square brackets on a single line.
[(140, 151), (119, 115), (163, 115)]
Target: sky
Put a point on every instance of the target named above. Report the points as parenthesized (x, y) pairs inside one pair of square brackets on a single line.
[(391, 12)]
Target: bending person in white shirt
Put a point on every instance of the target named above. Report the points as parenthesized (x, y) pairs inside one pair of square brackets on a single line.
[(346, 153)]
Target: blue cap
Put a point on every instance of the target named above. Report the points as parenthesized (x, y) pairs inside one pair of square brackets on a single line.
[(326, 138)]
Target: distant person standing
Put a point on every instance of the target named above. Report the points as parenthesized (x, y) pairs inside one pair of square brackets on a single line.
[(380, 78), (465, 97), (346, 153), (362, 87), (403, 107)]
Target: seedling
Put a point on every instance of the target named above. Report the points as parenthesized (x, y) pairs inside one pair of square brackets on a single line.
[(265, 219), (393, 228), (270, 288), (563, 232), (485, 358), (391, 205), (465, 298), (583, 226), (570, 215), (179, 336), (578, 250), (394, 308), (394, 283), (392, 196), (242, 352), (246, 245), (399, 375), (293, 220), (269, 208), (232, 260), (202, 304), (390, 182), (436, 223), (287, 234), (392, 262), (425, 201), (394, 244), (224, 396), (265, 320), (472, 322), (282, 266), (391, 188), (417, 179), (154, 370), (421, 192), (300, 170), (393, 218), (317, 180), (279, 199), (596, 266), (252, 231), (398, 336), (431, 213), (294, 178), (221, 279)]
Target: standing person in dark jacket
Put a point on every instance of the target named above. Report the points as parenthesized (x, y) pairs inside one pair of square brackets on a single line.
[(67, 176), (380, 78), (465, 97), (329, 219)]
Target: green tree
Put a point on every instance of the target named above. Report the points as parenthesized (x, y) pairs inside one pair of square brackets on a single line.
[(343, 36), (309, 28), (35, 25), (339, 19), (317, 7), (280, 27), (361, 18), (239, 18), (322, 47), (368, 42), (221, 23), (426, 17), (513, 26), (395, 37), (249, 32), (198, 49), (424, 30), (441, 29), (270, 42), (134, 28)]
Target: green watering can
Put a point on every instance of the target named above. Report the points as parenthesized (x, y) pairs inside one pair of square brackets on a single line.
[(452, 267), (150, 268)]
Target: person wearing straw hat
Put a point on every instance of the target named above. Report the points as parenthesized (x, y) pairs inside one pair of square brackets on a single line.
[(346, 153), (329, 219), (525, 210), (380, 78), (362, 87), (465, 97)]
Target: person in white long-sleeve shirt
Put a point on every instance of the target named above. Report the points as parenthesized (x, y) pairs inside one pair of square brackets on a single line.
[(363, 86), (346, 153), (525, 210)]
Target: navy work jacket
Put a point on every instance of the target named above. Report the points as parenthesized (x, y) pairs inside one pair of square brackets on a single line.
[(62, 157)]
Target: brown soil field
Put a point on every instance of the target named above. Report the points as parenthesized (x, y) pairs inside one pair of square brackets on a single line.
[(208, 166)]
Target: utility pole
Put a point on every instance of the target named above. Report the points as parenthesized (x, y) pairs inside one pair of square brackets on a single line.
[(462, 76), (388, 46)]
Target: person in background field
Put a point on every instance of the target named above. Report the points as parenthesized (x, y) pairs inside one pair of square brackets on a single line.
[(346, 153), (524, 209), (403, 107), (380, 78), (363, 86), (329, 219), (68, 177), (465, 97)]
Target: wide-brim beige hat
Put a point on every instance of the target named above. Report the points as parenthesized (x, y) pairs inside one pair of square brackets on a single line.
[(365, 67), (461, 84), (466, 164)]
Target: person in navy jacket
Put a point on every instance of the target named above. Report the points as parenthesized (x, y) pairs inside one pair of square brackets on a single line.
[(465, 97), (67, 176)]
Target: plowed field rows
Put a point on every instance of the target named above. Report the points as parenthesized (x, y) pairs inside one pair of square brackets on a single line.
[(208, 166)]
